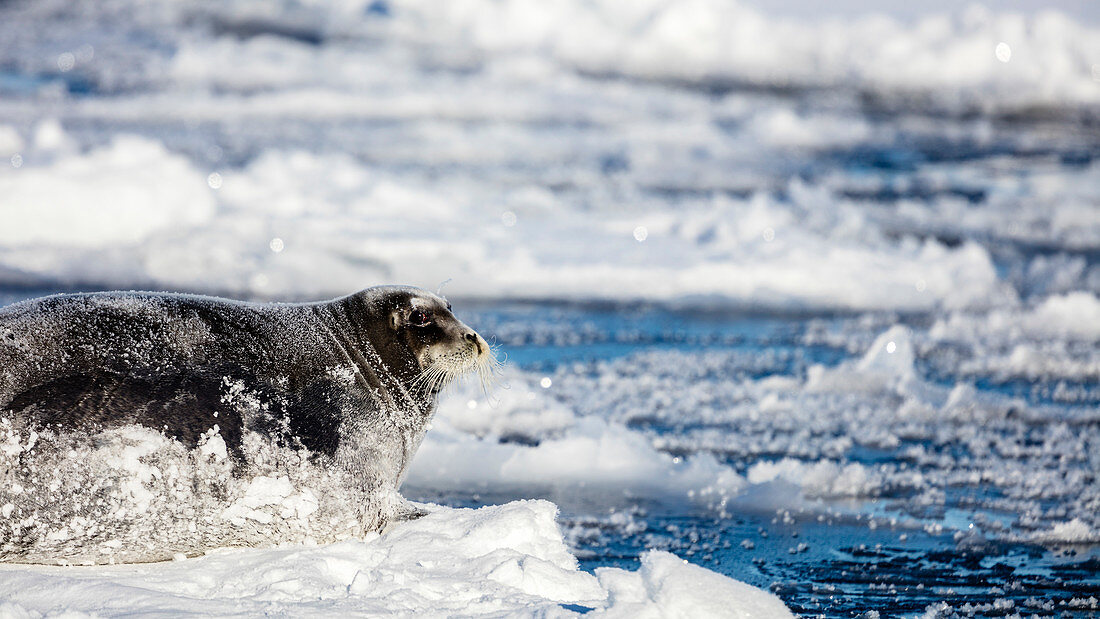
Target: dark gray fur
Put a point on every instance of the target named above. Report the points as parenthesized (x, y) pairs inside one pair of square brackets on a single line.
[(86, 362)]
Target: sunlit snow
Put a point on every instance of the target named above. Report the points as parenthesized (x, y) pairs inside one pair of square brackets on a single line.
[(811, 302)]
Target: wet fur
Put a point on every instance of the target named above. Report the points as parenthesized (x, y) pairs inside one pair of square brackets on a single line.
[(348, 380)]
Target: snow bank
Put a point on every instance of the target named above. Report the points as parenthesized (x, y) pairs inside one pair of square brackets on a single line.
[(972, 56), (133, 212), (10, 142), (524, 440), (507, 559), (819, 479), (1073, 316), (887, 365), (482, 142), (1039, 59), (664, 582), (1054, 338), (976, 56), (1075, 531), (123, 193), (601, 458)]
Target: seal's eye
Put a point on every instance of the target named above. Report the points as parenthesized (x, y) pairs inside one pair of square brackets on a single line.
[(420, 318)]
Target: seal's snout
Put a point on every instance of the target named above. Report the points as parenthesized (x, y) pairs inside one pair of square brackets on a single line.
[(444, 346), (479, 344)]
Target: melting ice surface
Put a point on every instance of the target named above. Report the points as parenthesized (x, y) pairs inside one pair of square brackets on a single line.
[(851, 463), (811, 304)]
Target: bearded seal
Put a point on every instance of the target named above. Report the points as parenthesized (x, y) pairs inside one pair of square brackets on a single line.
[(330, 398)]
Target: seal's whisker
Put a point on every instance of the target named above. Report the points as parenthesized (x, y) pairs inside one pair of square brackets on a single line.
[(442, 377), (430, 378), (435, 377), (489, 369)]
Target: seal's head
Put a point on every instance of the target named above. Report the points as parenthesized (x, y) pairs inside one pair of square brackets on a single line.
[(440, 346)]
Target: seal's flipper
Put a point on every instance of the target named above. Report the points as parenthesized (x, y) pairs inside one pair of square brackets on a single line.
[(407, 510)]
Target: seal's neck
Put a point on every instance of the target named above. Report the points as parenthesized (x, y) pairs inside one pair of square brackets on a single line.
[(383, 379)]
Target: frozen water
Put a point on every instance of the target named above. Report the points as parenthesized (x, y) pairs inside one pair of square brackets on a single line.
[(321, 125), (891, 480), (810, 301), (491, 561)]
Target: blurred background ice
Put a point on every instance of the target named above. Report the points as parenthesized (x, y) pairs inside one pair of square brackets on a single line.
[(806, 293)]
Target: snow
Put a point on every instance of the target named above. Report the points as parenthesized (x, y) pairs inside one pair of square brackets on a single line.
[(10, 141), (102, 199), (1073, 316), (345, 225), (886, 365), (497, 560), (1055, 337), (1074, 531), (794, 425), (659, 587), (692, 41), (545, 446), (277, 492), (914, 185), (322, 125), (603, 458), (819, 479)]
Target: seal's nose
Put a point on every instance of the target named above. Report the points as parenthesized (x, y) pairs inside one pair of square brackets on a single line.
[(475, 340)]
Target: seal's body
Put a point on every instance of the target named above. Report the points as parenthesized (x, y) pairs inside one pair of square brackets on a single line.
[(348, 384)]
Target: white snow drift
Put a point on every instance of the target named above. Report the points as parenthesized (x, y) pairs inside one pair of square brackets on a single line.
[(501, 560)]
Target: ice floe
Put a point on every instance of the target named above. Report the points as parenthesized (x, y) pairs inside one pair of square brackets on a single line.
[(499, 560)]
